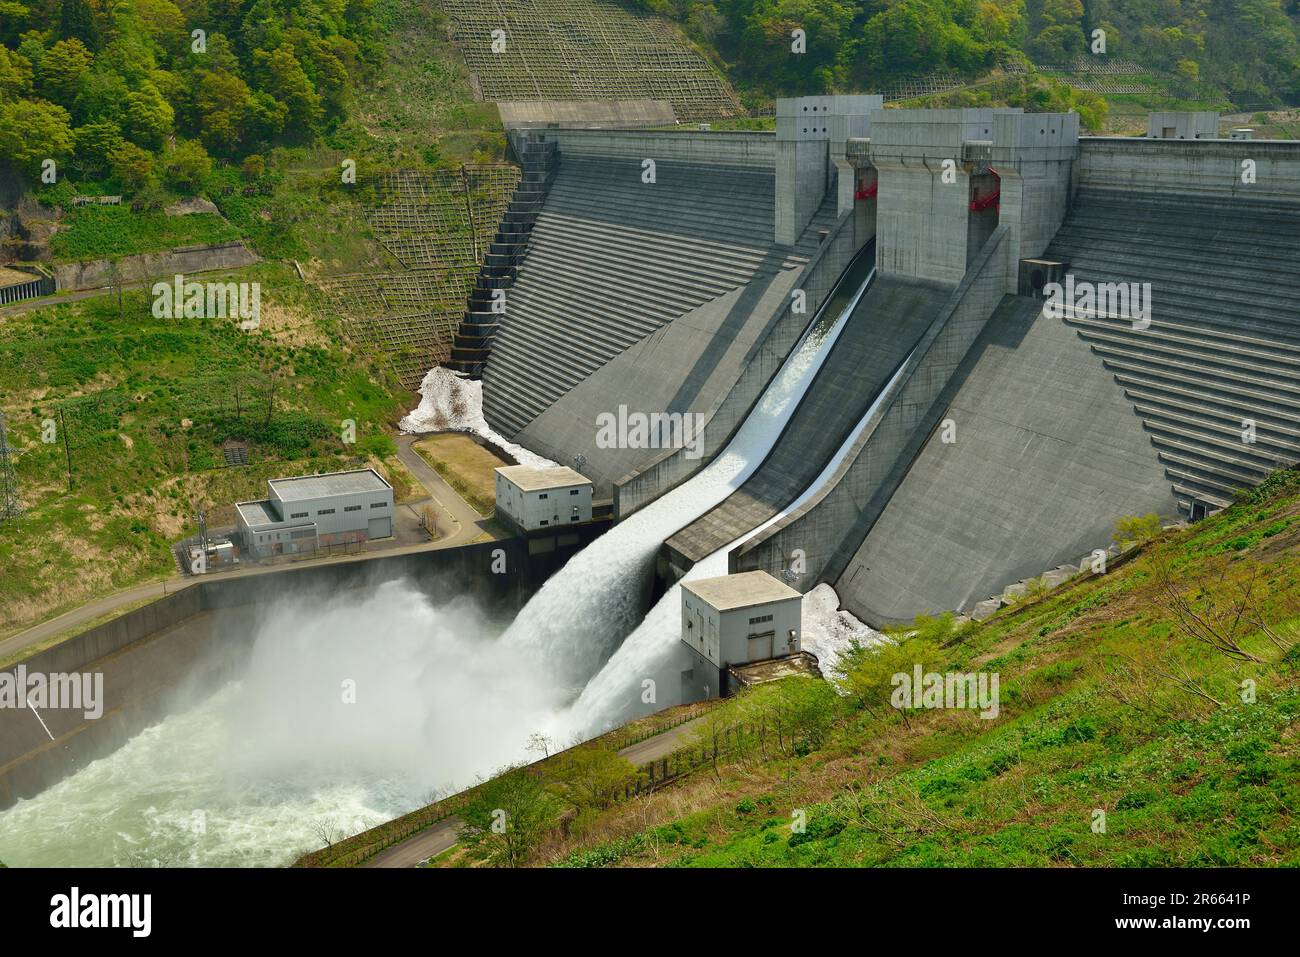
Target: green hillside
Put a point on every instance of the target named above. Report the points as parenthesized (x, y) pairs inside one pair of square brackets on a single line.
[(1149, 716)]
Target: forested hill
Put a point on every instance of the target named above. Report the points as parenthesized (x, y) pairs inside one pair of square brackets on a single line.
[(106, 84), (1244, 49), (145, 93)]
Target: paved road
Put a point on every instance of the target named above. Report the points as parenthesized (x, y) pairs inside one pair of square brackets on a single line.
[(465, 523), (432, 841)]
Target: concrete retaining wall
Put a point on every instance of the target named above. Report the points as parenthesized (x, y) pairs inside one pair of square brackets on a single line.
[(721, 422), (605, 114), (711, 149), (1190, 166), (97, 273), (830, 526)]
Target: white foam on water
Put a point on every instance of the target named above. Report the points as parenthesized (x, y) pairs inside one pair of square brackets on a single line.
[(352, 710)]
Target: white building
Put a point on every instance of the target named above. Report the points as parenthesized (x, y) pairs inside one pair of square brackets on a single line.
[(733, 620), (310, 511), (543, 498), (1183, 126)]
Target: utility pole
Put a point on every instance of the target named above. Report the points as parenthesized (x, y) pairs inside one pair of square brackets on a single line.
[(11, 506), (67, 452)]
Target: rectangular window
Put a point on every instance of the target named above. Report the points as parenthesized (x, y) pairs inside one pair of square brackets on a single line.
[(378, 504), (298, 515), (325, 511), (543, 495), (545, 522), (352, 508), (573, 491), (760, 619)]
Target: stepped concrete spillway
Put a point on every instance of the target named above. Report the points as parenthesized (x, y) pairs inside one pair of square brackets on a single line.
[(647, 295), (883, 329), (1223, 345)]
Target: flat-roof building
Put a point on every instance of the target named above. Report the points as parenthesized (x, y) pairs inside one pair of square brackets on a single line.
[(307, 512), (733, 620), (533, 498)]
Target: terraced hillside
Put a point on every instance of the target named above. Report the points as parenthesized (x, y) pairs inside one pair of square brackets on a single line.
[(437, 225), (585, 50), (1222, 354)]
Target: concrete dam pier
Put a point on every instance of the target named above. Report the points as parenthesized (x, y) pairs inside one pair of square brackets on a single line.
[(673, 271)]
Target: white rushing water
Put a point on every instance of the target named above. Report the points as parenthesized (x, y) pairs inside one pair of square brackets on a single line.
[(355, 708), (654, 650), (323, 732), (583, 612)]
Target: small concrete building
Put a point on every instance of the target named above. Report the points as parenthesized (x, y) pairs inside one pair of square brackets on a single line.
[(734, 620), (314, 511), (1183, 126), (543, 498)]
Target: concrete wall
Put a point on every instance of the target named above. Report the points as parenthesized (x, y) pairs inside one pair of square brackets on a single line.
[(830, 526), (925, 225), (580, 114), (810, 136), (760, 364), (714, 149), (1191, 166), (96, 273), (921, 220), (1033, 154), (1046, 454)]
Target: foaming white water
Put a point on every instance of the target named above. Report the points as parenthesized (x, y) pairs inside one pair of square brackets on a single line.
[(451, 402), (352, 710), (828, 630), (583, 612), (654, 650)]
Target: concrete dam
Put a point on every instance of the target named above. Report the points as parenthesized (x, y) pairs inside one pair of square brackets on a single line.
[(863, 314), (1015, 435)]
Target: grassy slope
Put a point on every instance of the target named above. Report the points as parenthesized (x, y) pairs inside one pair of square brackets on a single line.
[(468, 467), (152, 399), (1087, 722), (139, 470)]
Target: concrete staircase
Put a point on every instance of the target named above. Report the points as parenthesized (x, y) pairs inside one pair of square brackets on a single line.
[(611, 260), (473, 340), (1223, 348)]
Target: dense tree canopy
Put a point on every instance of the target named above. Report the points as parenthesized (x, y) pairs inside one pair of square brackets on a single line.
[(1246, 48), (149, 89)]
